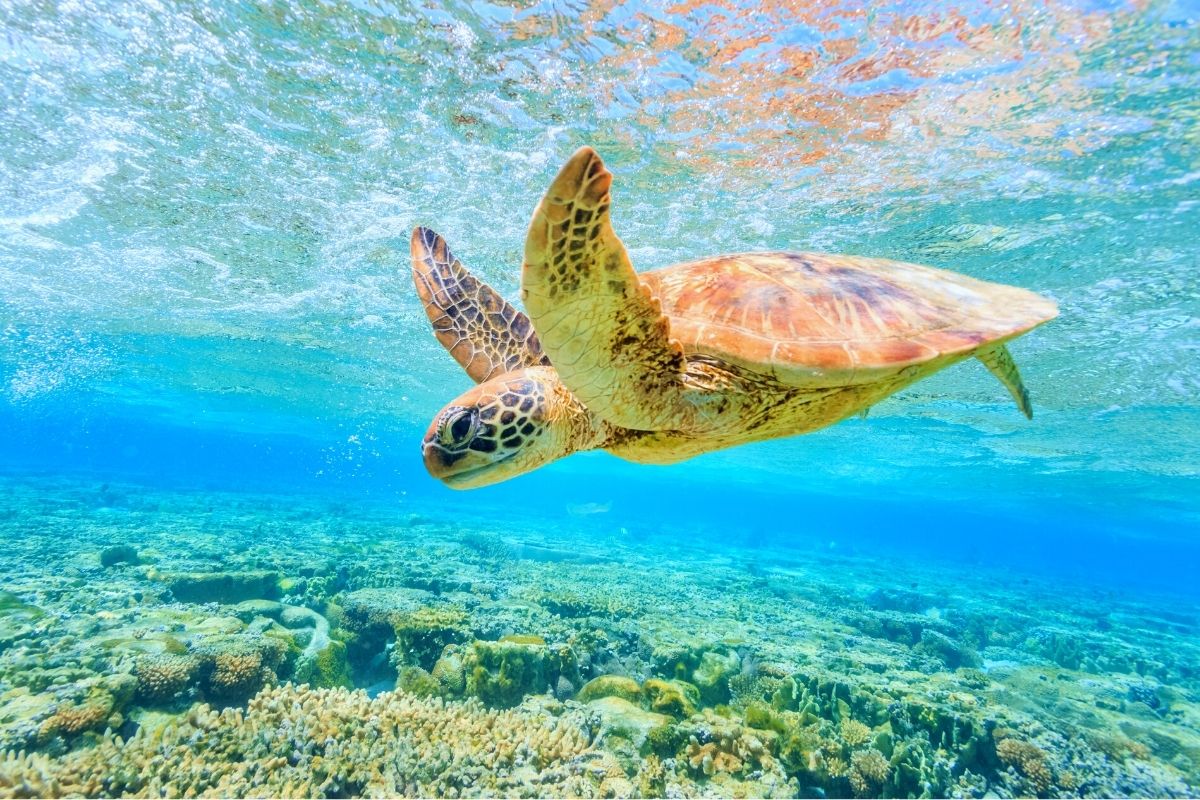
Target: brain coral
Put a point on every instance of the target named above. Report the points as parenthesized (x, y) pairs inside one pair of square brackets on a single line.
[(295, 741), (449, 671), (236, 671)]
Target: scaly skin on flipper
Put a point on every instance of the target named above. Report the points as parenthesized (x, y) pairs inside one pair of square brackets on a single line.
[(484, 333), (604, 333)]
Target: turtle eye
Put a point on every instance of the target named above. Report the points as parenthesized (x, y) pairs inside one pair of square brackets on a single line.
[(459, 427)]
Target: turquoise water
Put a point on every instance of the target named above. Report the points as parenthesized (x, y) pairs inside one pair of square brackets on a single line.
[(211, 351)]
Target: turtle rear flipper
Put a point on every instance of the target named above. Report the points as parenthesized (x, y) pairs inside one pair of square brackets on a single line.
[(1000, 363), (486, 335)]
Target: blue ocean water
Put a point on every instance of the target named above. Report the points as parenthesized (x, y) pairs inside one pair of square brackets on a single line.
[(205, 290)]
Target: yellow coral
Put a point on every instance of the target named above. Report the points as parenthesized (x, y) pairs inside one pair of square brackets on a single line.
[(652, 777), (161, 677), (391, 745), (854, 733), (233, 672), (836, 767), (1029, 760), (71, 719), (711, 759), (675, 698), (449, 672), (868, 770)]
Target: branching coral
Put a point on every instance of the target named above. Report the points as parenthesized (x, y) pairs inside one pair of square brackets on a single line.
[(755, 681), (299, 742), (836, 767), (710, 759), (717, 746), (868, 770), (652, 777), (605, 768), (74, 718), (488, 545), (1029, 760), (854, 733)]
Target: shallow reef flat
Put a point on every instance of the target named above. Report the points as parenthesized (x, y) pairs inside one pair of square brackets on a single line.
[(177, 643)]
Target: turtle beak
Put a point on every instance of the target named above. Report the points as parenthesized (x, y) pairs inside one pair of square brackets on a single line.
[(458, 470), (439, 462)]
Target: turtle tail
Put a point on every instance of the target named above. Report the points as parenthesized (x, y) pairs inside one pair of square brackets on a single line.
[(1000, 363)]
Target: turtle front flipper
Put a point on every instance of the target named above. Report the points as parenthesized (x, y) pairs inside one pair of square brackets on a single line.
[(484, 333), (604, 332)]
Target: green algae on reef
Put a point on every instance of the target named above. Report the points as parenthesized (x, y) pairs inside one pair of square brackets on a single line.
[(482, 671)]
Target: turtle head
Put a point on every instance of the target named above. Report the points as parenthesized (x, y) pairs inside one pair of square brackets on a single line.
[(505, 427)]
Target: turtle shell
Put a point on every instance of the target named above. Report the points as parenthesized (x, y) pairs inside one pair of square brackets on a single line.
[(820, 320)]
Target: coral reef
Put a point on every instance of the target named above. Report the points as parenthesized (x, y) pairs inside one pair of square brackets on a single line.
[(621, 718), (717, 745), (818, 675), (422, 634), (868, 771), (450, 671), (854, 733), (323, 661), (324, 743), (610, 686), (74, 718), (488, 546), (675, 698), (162, 677), (712, 675), (1029, 761), (226, 667), (502, 673), (17, 619)]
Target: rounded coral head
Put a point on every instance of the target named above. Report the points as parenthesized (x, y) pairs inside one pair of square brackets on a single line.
[(499, 429)]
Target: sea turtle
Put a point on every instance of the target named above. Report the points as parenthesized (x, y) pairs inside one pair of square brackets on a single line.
[(661, 366)]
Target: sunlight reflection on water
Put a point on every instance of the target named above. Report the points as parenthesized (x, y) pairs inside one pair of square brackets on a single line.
[(191, 188)]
